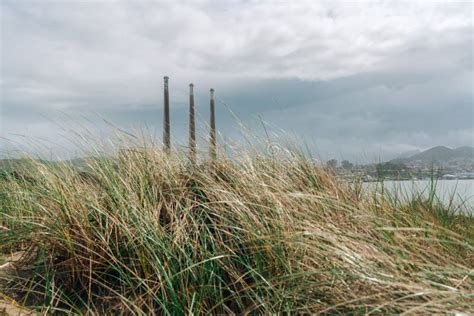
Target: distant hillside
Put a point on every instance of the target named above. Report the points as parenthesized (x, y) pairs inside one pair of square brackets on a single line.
[(439, 154), (408, 154), (8, 165), (25, 166), (465, 151)]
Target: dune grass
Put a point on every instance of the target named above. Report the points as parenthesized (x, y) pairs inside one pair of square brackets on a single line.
[(141, 232)]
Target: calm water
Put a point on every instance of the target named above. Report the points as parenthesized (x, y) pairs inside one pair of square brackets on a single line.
[(461, 191)]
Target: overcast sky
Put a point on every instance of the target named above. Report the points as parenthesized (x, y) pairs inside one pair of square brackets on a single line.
[(356, 80)]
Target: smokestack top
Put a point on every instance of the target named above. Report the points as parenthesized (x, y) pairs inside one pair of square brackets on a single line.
[(191, 85), (166, 78)]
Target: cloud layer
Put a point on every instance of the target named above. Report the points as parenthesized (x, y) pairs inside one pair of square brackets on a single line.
[(376, 77)]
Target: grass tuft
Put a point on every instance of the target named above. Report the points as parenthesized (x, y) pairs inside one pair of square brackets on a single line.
[(141, 232)]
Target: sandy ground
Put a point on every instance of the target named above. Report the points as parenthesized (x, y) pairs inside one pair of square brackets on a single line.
[(8, 308), (7, 268)]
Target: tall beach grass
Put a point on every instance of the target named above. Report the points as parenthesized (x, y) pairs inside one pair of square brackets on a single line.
[(141, 232)]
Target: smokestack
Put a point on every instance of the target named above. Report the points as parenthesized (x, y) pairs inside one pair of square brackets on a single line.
[(166, 118), (212, 140), (192, 125)]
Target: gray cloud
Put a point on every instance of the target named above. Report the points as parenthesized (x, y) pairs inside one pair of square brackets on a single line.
[(355, 79)]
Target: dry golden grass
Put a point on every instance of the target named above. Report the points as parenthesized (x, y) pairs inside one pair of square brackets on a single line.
[(143, 232)]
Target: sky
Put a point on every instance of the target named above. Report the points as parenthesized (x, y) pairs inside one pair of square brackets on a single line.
[(363, 81)]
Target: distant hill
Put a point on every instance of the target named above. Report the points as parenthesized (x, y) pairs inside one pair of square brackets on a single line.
[(439, 154), (8, 165), (465, 151), (27, 166), (408, 154)]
